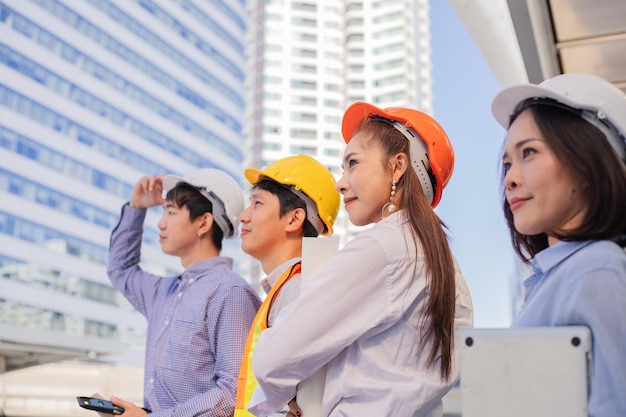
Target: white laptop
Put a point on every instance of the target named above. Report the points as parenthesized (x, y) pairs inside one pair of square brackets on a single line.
[(525, 372)]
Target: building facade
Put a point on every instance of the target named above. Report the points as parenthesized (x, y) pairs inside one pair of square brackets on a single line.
[(95, 94)]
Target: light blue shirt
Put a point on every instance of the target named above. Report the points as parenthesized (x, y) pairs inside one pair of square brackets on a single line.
[(584, 283), (198, 324)]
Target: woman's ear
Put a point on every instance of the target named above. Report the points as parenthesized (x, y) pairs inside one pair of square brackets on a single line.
[(399, 164), (296, 220)]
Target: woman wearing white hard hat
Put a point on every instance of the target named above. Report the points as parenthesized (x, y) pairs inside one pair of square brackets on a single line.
[(564, 199)]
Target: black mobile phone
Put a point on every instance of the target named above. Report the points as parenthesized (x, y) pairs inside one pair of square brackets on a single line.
[(102, 405), (99, 404)]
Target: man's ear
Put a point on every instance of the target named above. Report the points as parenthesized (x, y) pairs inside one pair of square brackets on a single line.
[(206, 222), (296, 220)]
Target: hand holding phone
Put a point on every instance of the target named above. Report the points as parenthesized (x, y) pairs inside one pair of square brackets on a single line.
[(99, 404)]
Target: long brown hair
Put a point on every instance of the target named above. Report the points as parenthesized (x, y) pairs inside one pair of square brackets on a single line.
[(428, 229), (584, 151)]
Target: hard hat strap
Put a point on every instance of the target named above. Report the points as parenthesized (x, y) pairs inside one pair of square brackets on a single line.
[(419, 154), (312, 214), (219, 212), (599, 120)]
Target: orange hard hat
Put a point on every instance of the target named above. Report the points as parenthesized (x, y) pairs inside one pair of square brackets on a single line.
[(429, 144)]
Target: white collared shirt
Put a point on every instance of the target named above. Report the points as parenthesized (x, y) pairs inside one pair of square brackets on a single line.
[(360, 315)]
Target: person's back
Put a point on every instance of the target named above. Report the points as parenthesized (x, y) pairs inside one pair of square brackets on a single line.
[(564, 183), (198, 321)]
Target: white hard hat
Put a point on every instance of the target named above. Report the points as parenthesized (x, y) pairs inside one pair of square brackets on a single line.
[(602, 103), (221, 190)]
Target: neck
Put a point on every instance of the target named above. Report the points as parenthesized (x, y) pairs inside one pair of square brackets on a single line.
[(280, 255), (200, 253)]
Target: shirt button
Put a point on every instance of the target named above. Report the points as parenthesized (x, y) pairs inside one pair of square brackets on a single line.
[(190, 280), (151, 380), (167, 322), (180, 294)]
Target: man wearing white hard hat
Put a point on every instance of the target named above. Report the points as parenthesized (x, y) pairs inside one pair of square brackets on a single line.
[(198, 321)]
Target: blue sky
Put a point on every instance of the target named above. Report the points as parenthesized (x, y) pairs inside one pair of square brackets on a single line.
[(464, 86)]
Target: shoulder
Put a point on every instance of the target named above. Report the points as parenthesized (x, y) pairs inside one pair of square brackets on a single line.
[(597, 256), (390, 232), (597, 268)]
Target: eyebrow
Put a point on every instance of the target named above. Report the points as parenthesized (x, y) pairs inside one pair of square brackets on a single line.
[(169, 205), (519, 145), (348, 156)]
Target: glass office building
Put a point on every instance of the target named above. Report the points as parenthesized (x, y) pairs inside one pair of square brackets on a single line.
[(95, 94)]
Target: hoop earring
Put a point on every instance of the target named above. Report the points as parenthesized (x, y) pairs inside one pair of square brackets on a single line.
[(391, 207), (199, 240)]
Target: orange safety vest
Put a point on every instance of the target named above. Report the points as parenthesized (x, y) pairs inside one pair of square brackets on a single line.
[(247, 382)]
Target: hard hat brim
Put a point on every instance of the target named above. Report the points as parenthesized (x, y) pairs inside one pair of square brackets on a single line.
[(359, 111), (507, 100), (170, 181), (254, 175)]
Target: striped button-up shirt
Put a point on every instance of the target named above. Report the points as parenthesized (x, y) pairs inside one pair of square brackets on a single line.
[(198, 323)]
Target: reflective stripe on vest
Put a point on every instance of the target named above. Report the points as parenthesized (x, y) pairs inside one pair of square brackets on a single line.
[(247, 383)]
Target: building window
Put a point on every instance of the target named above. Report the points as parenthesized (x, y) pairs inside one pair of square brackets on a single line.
[(389, 17), (303, 133), (272, 129), (307, 150), (305, 101), (270, 146), (308, 7), (305, 69), (305, 53), (302, 21), (304, 85), (394, 63), (304, 117), (331, 103)]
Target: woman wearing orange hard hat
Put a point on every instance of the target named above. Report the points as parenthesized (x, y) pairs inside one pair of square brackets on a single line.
[(383, 313)]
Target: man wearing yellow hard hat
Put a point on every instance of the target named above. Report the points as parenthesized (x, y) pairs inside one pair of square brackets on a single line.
[(292, 198)]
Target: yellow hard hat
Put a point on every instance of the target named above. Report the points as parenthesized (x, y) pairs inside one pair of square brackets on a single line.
[(307, 175)]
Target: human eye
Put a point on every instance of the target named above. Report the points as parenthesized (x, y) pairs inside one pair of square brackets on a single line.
[(526, 152), (351, 162), (506, 166)]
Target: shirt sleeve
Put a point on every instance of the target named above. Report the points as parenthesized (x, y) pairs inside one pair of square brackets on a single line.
[(123, 268), (597, 300), (346, 299)]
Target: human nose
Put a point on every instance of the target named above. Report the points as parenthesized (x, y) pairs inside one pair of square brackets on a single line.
[(244, 217), (511, 178), (342, 184), (162, 223)]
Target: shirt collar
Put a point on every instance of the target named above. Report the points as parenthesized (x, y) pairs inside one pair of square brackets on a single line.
[(555, 254), (268, 282), (199, 269)]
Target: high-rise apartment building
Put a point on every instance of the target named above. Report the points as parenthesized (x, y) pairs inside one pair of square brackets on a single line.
[(95, 94), (309, 60)]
